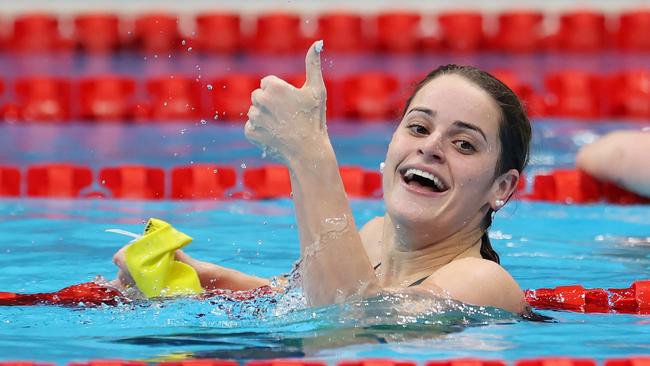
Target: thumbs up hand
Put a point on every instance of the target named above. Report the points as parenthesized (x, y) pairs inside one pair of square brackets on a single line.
[(289, 122)]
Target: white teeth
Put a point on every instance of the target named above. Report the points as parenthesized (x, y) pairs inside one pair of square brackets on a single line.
[(412, 171)]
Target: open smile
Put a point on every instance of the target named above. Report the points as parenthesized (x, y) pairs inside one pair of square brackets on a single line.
[(423, 182)]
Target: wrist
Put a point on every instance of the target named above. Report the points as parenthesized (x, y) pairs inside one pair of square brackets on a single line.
[(315, 158)]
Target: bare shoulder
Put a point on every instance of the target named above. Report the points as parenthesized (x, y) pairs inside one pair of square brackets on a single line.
[(373, 226), (371, 234), (479, 282)]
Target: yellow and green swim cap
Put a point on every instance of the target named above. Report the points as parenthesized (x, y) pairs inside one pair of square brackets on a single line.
[(151, 263)]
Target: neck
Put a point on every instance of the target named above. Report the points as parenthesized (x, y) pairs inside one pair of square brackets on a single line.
[(403, 262)]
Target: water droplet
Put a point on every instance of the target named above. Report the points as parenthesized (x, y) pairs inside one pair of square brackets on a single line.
[(189, 49), (203, 121), (243, 165), (215, 171), (216, 116), (164, 104), (209, 86), (183, 42), (183, 131)]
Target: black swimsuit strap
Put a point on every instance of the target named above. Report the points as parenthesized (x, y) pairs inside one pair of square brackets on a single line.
[(411, 285)]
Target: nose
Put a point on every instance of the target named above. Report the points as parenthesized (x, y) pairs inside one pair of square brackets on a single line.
[(431, 147)]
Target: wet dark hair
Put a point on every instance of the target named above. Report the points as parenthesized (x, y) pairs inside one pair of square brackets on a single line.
[(514, 129)]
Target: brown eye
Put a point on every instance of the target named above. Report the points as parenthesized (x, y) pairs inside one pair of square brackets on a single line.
[(464, 146), (418, 129)]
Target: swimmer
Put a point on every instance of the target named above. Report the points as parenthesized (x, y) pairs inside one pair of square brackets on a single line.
[(620, 157), (454, 159)]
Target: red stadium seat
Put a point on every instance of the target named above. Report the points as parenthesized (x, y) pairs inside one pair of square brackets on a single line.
[(157, 33), (370, 96), (573, 94), (633, 30), (57, 180), (581, 31), (278, 33), (462, 31), (629, 94), (231, 96), (533, 101), (202, 181), (36, 32), (134, 182), (45, 99), (519, 31), (175, 98), (9, 181), (399, 32), (218, 33), (342, 32), (106, 98), (97, 32)]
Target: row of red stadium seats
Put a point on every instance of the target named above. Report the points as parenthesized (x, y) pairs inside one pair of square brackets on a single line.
[(542, 361), (371, 96), (209, 181), (284, 32)]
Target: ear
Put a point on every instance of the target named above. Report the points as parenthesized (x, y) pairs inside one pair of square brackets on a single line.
[(503, 188)]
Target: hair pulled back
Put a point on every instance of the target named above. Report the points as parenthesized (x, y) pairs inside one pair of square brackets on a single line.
[(514, 129)]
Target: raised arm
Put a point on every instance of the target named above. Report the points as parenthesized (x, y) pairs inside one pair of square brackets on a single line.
[(289, 123)]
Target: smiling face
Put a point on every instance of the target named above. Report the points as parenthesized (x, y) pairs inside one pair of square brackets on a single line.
[(439, 174)]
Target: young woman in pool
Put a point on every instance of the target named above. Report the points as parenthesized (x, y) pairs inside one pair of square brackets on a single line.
[(454, 160)]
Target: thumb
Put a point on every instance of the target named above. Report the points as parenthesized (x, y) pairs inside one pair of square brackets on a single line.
[(312, 62)]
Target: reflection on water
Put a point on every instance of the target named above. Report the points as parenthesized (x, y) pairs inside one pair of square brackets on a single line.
[(265, 328)]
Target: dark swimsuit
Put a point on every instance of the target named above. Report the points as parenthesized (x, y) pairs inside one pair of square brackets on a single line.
[(414, 283)]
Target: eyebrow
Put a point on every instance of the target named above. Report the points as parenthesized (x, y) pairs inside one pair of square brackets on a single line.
[(460, 124), (427, 111), (470, 126)]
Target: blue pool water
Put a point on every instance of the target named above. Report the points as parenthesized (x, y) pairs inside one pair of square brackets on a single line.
[(49, 244)]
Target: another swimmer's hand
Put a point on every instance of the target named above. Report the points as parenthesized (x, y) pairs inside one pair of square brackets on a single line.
[(289, 122)]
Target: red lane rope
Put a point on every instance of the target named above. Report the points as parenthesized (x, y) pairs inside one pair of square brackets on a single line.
[(541, 361), (634, 299), (215, 181)]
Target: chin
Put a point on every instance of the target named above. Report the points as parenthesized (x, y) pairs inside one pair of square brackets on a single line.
[(411, 213)]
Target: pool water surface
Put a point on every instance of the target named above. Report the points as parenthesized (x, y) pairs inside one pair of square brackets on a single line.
[(48, 244)]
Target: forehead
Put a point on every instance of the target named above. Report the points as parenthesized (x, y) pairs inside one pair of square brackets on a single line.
[(454, 98)]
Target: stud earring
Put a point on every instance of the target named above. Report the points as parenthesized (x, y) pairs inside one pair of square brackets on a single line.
[(499, 204), (381, 167)]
